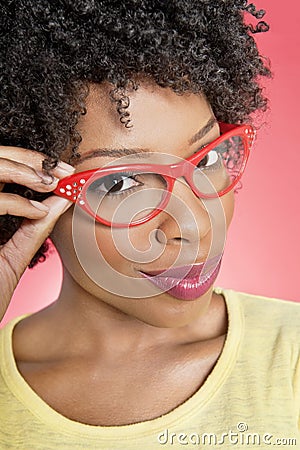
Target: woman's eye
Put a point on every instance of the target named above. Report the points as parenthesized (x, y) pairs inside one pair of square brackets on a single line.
[(210, 159), (116, 183)]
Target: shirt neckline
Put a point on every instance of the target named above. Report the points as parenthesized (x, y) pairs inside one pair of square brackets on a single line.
[(181, 414)]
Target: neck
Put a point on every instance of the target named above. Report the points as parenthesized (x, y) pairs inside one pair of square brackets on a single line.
[(89, 322)]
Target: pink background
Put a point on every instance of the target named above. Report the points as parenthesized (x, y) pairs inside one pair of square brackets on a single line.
[(263, 246)]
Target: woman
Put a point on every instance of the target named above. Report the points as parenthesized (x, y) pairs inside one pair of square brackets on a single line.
[(138, 114)]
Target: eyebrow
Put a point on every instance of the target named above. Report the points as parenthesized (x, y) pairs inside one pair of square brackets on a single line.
[(112, 152), (203, 131), (140, 152)]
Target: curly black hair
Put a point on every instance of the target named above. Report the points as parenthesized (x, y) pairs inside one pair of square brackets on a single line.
[(51, 50)]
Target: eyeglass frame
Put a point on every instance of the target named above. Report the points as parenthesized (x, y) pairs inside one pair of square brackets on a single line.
[(71, 187)]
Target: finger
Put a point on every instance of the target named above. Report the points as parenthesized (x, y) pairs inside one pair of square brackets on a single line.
[(16, 172), (19, 206), (34, 160)]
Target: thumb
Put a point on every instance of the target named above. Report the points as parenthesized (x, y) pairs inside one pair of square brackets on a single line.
[(32, 233), (17, 253)]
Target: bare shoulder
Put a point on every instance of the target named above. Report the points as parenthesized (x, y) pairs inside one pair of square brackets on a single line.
[(34, 336)]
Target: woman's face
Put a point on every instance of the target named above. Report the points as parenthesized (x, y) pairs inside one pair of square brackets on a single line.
[(105, 263)]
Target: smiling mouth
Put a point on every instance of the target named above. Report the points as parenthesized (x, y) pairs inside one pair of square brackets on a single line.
[(186, 282)]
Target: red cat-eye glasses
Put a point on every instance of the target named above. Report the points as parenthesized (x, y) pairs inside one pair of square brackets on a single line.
[(131, 194)]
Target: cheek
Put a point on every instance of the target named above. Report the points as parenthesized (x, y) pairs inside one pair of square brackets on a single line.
[(62, 235), (107, 245), (124, 248), (81, 243), (228, 202)]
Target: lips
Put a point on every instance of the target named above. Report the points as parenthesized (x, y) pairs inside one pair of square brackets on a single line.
[(187, 271), (186, 282)]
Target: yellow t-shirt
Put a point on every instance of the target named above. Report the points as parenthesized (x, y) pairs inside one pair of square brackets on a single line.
[(251, 399)]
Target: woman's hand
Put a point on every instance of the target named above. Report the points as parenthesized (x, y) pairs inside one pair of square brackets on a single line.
[(24, 167)]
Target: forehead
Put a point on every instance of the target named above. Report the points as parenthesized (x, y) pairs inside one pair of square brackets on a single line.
[(161, 120)]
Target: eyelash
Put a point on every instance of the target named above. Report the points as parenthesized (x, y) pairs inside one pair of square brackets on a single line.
[(126, 192)]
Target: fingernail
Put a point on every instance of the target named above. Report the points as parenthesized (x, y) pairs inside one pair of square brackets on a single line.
[(45, 178), (65, 167), (60, 205), (39, 205)]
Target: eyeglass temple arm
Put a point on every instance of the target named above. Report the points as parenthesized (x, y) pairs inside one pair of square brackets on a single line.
[(224, 127)]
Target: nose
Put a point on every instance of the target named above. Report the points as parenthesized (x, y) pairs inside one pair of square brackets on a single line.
[(185, 219)]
